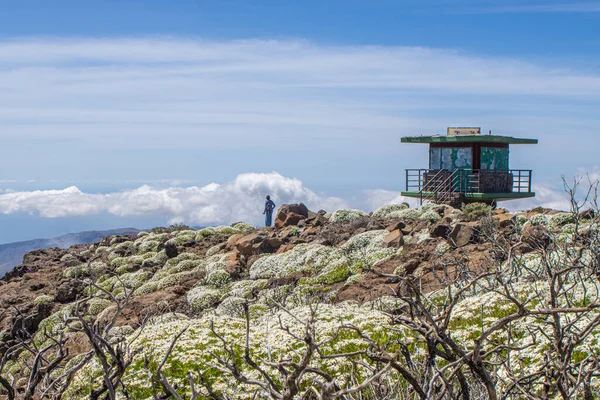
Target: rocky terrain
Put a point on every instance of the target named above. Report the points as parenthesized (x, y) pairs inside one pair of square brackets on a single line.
[(11, 254), (390, 304)]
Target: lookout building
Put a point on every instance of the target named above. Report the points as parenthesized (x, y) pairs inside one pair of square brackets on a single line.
[(466, 166)]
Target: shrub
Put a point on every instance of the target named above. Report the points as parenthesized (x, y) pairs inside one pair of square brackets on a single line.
[(431, 216), (561, 219), (43, 299), (384, 212), (69, 260), (218, 278), (347, 215), (201, 297), (408, 214), (476, 211)]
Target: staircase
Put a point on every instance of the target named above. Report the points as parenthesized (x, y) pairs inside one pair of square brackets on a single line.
[(446, 188)]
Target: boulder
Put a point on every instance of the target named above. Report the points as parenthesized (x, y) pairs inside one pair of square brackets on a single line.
[(290, 214), (250, 244), (395, 226), (587, 214), (233, 240), (234, 269), (461, 235), (536, 236), (394, 239), (504, 220), (440, 230), (68, 291), (275, 242), (171, 250), (315, 219), (284, 248), (307, 232)]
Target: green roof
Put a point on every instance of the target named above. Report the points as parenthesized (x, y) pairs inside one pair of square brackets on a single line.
[(468, 139)]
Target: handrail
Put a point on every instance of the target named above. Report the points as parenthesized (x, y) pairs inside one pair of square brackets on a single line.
[(443, 184)]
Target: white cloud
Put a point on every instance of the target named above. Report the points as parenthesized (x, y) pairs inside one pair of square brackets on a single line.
[(240, 199)]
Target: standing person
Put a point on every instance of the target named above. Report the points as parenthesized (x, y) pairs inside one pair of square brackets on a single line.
[(269, 207)]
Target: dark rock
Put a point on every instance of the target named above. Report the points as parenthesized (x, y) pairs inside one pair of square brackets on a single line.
[(171, 250), (396, 225), (536, 236), (246, 245), (440, 230), (310, 231), (34, 287), (234, 269), (275, 242), (394, 239), (587, 214), (290, 214), (68, 291), (461, 235)]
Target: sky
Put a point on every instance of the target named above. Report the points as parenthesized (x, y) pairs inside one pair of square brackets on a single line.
[(145, 113)]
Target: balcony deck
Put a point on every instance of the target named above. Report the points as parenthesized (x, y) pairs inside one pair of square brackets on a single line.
[(468, 185)]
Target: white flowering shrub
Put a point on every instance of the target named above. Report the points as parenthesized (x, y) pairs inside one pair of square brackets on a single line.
[(194, 348), (125, 246), (183, 237), (43, 299), (243, 227), (352, 279), (86, 254), (157, 260), (96, 267), (69, 260), (102, 250), (119, 261), (304, 257), (120, 331), (561, 219), (346, 215), (429, 206), (385, 211), (540, 219), (155, 285), (203, 297), (521, 219), (166, 318), (367, 248), (245, 287), (240, 227), (443, 248), (97, 305), (141, 234), (422, 236), (127, 281), (430, 216), (214, 250), (408, 214), (218, 278), (148, 246)]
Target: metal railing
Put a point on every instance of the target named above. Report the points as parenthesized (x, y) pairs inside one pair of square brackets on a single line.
[(443, 182)]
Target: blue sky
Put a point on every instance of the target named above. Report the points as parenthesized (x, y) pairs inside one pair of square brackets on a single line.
[(117, 113)]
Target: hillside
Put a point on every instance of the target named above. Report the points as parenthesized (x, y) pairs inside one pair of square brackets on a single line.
[(11, 254), (433, 302)]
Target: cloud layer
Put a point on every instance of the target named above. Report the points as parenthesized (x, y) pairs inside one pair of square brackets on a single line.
[(239, 199)]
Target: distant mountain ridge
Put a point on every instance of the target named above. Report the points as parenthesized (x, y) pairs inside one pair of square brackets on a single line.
[(11, 254)]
